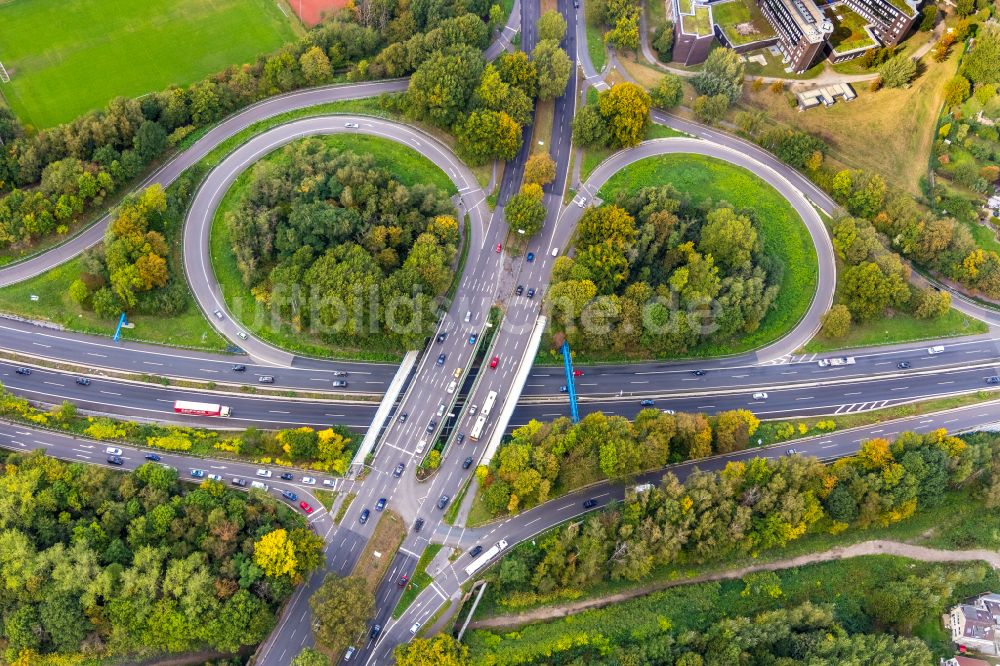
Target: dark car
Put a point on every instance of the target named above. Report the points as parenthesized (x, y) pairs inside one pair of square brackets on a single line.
[(475, 551), (441, 358), (403, 580), (443, 502), (287, 476), (519, 290), (23, 371), (239, 367), (398, 472), (419, 525), (380, 504), (441, 336), (403, 417), (993, 380), (83, 381), (153, 457), (198, 473), (460, 438), (647, 402), (903, 365), (531, 292), (339, 373), (265, 379), (530, 257), (364, 516), (431, 426), (467, 463), (115, 460), (242, 483), (473, 338), (289, 495), (376, 630), (563, 389), (791, 452), (698, 373), (590, 504)]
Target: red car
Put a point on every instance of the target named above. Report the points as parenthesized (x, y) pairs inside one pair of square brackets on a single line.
[(499, 247), (305, 507), (578, 373), (495, 362), (403, 580)]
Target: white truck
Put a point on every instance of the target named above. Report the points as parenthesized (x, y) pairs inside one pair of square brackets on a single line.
[(484, 558), (201, 409), (841, 360)]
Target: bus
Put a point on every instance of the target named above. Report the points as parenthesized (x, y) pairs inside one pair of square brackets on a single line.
[(477, 429), (483, 559), (488, 405)]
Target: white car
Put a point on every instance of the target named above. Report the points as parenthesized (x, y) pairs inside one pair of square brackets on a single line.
[(555, 252), (329, 482), (669, 411), (581, 202), (351, 125), (215, 477), (936, 349), (217, 313), (113, 451), (440, 410), (451, 387), (421, 445), (760, 396), (266, 473), (241, 334), (308, 480)]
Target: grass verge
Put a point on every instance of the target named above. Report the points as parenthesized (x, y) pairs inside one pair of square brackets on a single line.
[(342, 511), (388, 535), (420, 580), (325, 497), (899, 327)]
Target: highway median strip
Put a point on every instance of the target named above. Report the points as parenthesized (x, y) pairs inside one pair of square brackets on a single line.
[(418, 582)]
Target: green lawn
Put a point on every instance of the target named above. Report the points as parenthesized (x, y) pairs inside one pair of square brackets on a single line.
[(72, 56), (728, 15), (406, 164), (594, 156), (699, 23), (595, 42), (849, 30), (899, 327), (784, 236)]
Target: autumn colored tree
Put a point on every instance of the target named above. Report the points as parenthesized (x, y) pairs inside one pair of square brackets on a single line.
[(525, 211), (540, 169), (625, 109), (274, 553)]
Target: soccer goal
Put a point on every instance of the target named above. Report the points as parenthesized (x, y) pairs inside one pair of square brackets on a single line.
[(4, 76)]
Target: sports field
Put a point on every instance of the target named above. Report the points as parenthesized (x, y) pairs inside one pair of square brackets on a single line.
[(71, 56)]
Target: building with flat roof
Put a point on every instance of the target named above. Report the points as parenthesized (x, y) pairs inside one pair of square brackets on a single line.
[(801, 28), (890, 20)]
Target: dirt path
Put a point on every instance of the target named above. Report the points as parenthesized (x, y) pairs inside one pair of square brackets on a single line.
[(921, 553)]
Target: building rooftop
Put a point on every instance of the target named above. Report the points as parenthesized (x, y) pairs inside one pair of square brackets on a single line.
[(809, 19), (699, 23)]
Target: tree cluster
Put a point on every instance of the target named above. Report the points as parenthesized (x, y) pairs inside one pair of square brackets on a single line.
[(803, 633), (982, 63), (750, 506), (719, 84), (338, 246), (53, 178), (653, 271), (618, 119), (543, 460), (940, 244), (487, 105), (100, 563)]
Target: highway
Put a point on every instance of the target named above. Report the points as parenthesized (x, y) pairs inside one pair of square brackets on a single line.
[(796, 386)]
